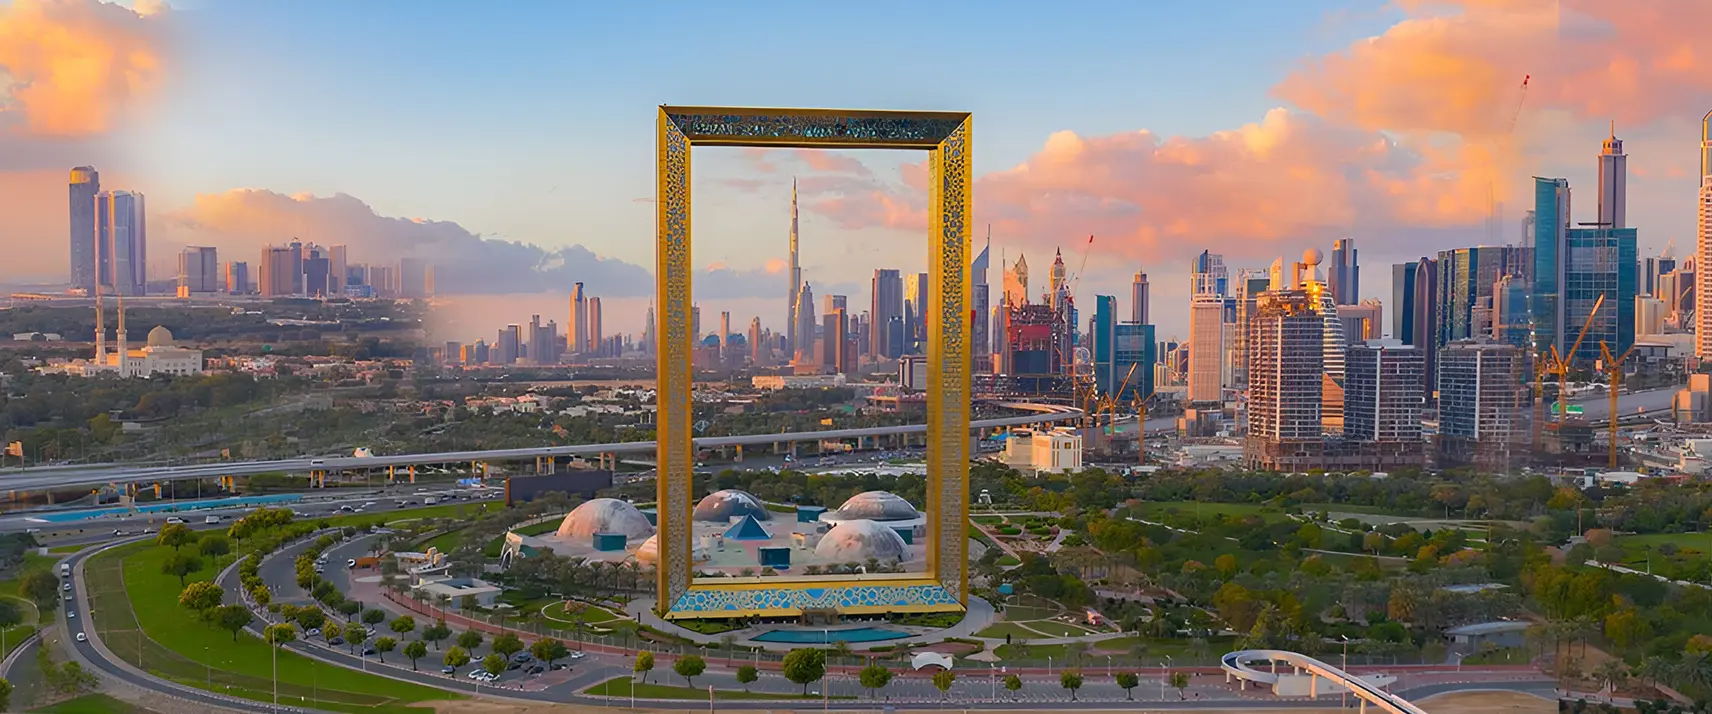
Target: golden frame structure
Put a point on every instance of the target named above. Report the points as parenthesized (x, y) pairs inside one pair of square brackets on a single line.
[(945, 136)]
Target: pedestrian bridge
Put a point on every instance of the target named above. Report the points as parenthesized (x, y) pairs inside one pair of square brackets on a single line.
[(1236, 665)]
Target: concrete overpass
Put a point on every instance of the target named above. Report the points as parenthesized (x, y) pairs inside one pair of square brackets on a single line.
[(1236, 666), (49, 477)]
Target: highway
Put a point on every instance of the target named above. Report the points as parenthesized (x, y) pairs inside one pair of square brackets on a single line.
[(46, 477)]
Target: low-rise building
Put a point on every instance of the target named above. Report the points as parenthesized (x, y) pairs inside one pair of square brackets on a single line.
[(459, 588), (1057, 450)]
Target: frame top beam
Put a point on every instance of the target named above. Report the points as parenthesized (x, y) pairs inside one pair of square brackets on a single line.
[(813, 128)]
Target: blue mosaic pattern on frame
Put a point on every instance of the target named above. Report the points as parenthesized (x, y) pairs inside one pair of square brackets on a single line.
[(705, 600)]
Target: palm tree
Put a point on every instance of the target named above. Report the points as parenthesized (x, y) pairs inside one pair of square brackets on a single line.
[(444, 600), (1653, 669), (1694, 671)]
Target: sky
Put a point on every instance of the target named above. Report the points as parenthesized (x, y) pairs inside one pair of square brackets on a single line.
[(512, 144)]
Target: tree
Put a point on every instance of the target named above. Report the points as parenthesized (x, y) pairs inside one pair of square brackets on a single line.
[(689, 667), (214, 545), (942, 681), (180, 565), (41, 587), (1013, 683), (415, 650), (1127, 681), (374, 617), (201, 597), (261, 595), (548, 649), (728, 642), (385, 645), (493, 663), (508, 644), (310, 618), (746, 675), (437, 633), (404, 625), (1180, 681), (175, 535), (1071, 680), (332, 631), (5, 695), (233, 618), (283, 633), (1612, 673), (455, 657), (644, 665), (874, 677), (803, 666), (356, 634), (470, 639)]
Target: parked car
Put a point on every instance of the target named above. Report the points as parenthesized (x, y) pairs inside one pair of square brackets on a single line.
[(335, 642), (522, 657), (368, 651), (578, 655), (448, 670), (315, 632), (535, 669), (558, 666)]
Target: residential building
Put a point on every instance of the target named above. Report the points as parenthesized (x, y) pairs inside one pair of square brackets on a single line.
[(1206, 348), (1361, 322), (1286, 352), (1424, 319), (577, 328), (594, 334), (1403, 302), (198, 271), (1510, 320), (414, 277), (1466, 279), (1383, 398), (123, 250), (1702, 282), (980, 305), (237, 277), (1480, 396), (887, 298)]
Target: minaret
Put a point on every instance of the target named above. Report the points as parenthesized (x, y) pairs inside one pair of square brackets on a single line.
[(100, 328), (792, 305), (1613, 181), (124, 352)]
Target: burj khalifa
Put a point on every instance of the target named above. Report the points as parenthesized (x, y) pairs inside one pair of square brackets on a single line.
[(794, 290)]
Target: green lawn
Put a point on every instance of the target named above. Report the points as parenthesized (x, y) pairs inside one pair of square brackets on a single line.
[(1018, 613), (1014, 630), (622, 686), (591, 615), (444, 510), (1348, 508), (1054, 628), (93, 704), (1684, 541), (32, 562), (988, 520), (67, 549), (188, 651), (1154, 508)]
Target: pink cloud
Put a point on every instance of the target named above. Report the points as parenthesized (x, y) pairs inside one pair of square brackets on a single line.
[(72, 67)]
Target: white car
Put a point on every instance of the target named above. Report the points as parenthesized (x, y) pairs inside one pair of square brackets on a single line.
[(82, 637), (578, 655), (70, 615), (352, 563), (175, 520)]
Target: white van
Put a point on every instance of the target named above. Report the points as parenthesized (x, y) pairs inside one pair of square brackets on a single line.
[(175, 520), (212, 519), (429, 501)]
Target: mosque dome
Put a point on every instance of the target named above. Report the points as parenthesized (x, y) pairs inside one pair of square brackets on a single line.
[(722, 506), (160, 337), (605, 515), (649, 552), (875, 506), (857, 541)]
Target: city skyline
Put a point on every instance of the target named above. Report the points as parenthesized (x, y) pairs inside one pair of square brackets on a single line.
[(1298, 116)]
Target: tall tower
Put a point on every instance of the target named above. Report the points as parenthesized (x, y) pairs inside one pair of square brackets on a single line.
[(85, 184), (981, 343), (1613, 181), (1057, 279), (1138, 299), (577, 327), (792, 307), (592, 336), (1344, 277), (805, 326), (1703, 249)]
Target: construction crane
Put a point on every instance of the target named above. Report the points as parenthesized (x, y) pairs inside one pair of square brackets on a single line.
[(1614, 370), (1667, 248), (1561, 362)]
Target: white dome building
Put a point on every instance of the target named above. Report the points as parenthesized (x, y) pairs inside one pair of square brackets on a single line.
[(857, 541), (605, 515), (722, 506), (882, 506), (649, 552)]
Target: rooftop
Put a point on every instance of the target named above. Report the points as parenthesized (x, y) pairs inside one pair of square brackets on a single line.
[(1490, 628)]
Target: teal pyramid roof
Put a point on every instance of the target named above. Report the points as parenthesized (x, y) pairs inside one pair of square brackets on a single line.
[(747, 529)]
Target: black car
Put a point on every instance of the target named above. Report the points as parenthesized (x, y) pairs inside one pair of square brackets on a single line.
[(514, 665), (336, 641), (368, 651), (535, 670), (558, 666)]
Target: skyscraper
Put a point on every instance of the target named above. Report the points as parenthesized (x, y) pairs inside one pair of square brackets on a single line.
[(1703, 249), (1057, 277), (1208, 275), (413, 278), (915, 312), (198, 271), (1424, 317), (755, 348), (1206, 348), (510, 344), (888, 304), (1344, 275), (980, 334), (1575, 269), (1403, 302), (124, 237), (1123, 353), (85, 185), (1466, 279), (592, 335), (1285, 373), (1138, 299), (792, 306), (805, 327), (724, 336), (835, 343), (337, 269), (237, 277), (1016, 282), (577, 328), (1613, 181), (1551, 223)]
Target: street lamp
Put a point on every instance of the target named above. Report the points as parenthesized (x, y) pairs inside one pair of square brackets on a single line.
[(1343, 699)]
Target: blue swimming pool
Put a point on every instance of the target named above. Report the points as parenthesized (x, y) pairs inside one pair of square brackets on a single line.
[(235, 502), (822, 637)]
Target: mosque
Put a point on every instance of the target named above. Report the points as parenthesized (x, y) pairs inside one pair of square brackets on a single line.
[(735, 534), (158, 356)]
